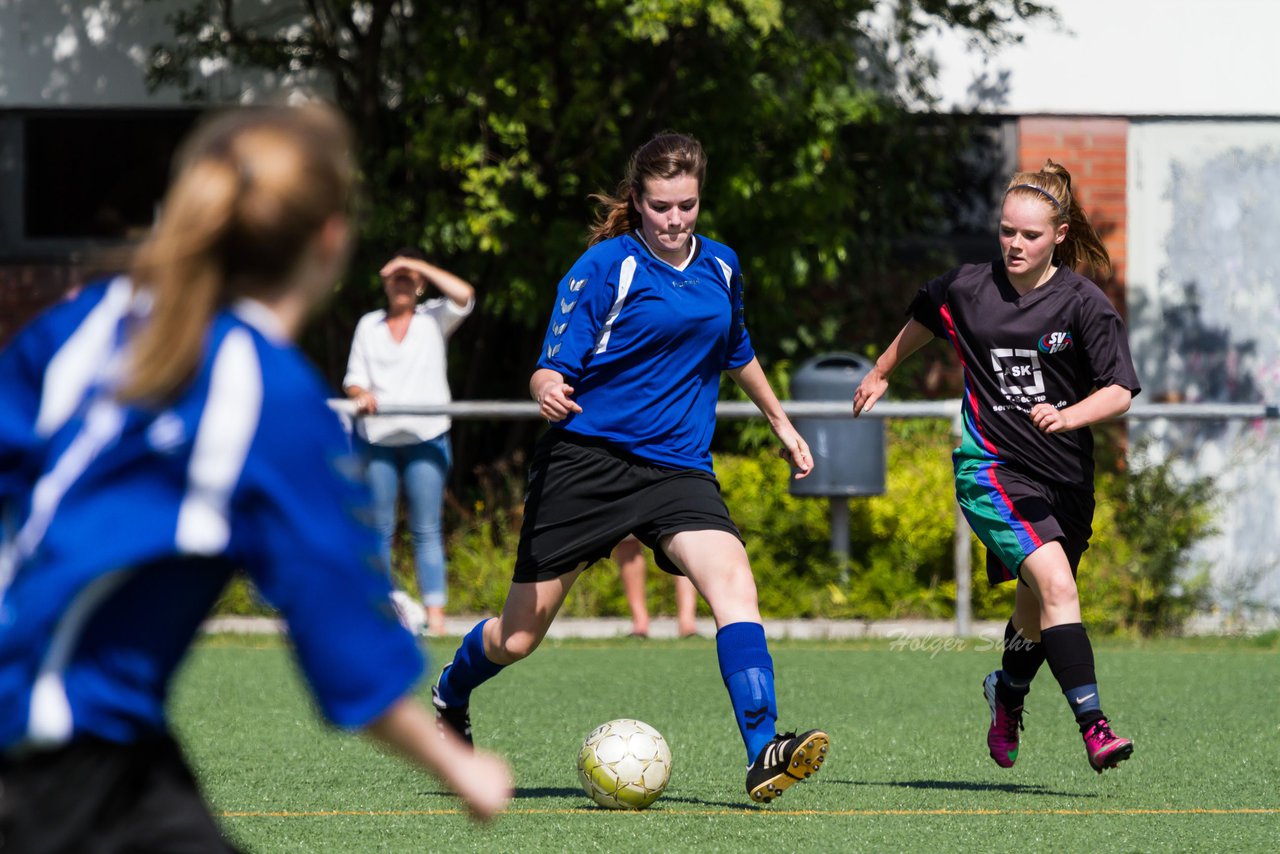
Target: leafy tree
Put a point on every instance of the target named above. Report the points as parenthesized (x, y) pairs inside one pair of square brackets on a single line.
[(484, 125)]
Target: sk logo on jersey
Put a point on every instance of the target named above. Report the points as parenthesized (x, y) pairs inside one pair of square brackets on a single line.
[(1053, 342), (1017, 371)]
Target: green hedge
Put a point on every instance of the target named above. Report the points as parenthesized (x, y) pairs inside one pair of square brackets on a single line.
[(900, 564)]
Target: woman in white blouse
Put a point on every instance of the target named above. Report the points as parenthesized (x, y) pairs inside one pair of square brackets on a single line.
[(398, 357)]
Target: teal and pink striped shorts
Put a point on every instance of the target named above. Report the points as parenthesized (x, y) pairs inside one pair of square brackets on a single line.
[(1014, 514)]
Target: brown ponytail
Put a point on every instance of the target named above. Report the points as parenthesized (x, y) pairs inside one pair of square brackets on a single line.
[(665, 156), (252, 189), (1052, 185)]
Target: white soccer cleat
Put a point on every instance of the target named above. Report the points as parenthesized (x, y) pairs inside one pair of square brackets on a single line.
[(412, 615)]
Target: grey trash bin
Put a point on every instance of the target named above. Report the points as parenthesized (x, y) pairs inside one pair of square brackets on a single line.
[(848, 454)]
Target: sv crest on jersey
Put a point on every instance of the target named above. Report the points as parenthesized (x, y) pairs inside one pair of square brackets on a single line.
[(1054, 342)]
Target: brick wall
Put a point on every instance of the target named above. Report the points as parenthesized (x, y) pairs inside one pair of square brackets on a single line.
[(27, 288), (1094, 150)]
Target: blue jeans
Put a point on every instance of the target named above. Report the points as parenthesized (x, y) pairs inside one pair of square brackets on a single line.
[(424, 468)]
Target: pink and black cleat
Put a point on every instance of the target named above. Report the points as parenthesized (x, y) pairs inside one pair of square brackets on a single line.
[(1104, 747), (1002, 737)]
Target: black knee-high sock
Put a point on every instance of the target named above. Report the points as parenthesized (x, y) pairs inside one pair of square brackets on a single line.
[(1070, 657), (1022, 658)]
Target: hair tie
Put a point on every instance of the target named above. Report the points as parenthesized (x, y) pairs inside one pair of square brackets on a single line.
[(1039, 190)]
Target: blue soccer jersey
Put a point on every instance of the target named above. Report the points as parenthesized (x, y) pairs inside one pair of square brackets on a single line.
[(46, 370), (643, 345), (139, 519)]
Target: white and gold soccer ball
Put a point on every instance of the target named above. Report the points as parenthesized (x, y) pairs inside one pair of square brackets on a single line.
[(624, 764)]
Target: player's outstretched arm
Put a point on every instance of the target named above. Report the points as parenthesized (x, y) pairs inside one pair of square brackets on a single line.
[(909, 339), (481, 779), (752, 380)]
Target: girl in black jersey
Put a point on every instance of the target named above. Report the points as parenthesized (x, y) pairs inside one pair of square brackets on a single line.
[(1044, 356)]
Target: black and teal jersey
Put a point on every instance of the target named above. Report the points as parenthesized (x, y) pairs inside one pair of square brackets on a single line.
[(643, 344), (1055, 344)]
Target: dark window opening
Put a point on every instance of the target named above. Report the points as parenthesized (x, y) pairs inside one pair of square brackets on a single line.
[(97, 175)]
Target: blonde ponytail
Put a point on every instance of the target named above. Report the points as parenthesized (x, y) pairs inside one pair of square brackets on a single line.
[(182, 268), (1082, 246), (252, 189)]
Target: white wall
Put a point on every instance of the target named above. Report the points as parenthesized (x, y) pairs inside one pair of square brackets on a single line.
[(1127, 58), (1204, 308), (83, 53), (93, 53)]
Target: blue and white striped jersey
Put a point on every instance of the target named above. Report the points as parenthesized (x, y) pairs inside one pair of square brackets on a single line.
[(643, 345), (138, 519), (46, 370)]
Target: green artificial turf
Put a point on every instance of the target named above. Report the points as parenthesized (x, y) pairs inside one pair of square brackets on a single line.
[(908, 768)]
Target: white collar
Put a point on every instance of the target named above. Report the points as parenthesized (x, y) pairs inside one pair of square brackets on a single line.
[(261, 318), (693, 248)]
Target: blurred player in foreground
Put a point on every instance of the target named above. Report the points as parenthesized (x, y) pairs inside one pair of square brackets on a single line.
[(644, 324), (1044, 355), (200, 443)]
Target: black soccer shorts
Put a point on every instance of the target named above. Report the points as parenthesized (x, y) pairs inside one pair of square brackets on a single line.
[(98, 797), (585, 496)]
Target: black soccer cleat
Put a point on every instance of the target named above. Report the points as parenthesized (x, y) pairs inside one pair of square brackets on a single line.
[(457, 718), (785, 761)]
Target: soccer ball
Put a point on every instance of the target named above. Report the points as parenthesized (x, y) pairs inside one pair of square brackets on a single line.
[(624, 764)]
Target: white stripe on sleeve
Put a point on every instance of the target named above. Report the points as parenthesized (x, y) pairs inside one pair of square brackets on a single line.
[(226, 430), (625, 276), (49, 719), (78, 361), (728, 275)]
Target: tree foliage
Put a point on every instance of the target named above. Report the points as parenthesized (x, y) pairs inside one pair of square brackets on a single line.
[(485, 124)]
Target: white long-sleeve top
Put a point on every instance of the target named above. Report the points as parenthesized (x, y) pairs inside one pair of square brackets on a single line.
[(408, 372)]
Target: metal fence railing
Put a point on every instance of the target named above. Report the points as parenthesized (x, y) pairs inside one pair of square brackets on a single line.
[(517, 410)]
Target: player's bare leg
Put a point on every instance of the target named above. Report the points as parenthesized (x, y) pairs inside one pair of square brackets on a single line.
[(496, 643)]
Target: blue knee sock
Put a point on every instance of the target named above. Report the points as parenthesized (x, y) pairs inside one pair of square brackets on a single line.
[(747, 670), (470, 669)]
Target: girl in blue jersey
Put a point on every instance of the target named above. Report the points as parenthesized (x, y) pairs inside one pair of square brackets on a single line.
[(202, 443), (46, 371), (1044, 355), (642, 327)]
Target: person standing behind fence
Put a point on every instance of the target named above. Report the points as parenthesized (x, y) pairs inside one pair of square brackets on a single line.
[(398, 357), (632, 570), (643, 325), (203, 444), (1044, 355)]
